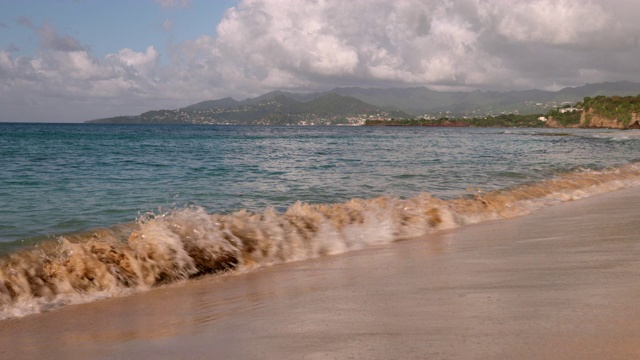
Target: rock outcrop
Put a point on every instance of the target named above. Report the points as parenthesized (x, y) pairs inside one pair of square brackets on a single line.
[(589, 119), (553, 123)]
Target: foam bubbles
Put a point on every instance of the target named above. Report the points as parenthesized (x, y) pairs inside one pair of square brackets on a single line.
[(190, 242)]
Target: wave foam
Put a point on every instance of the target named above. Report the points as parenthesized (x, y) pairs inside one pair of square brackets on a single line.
[(189, 242)]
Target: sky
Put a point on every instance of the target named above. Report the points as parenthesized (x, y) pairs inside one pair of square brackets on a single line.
[(77, 60)]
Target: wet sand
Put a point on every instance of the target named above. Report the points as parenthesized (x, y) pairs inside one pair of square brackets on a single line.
[(562, 283)]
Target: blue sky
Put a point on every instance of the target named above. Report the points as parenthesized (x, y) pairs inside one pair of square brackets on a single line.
[(75, 60), (107, 26)]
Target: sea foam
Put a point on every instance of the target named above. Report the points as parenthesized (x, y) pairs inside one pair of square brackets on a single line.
[(189, 242)]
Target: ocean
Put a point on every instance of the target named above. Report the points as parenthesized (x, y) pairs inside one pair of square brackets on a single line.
[(96, 211)]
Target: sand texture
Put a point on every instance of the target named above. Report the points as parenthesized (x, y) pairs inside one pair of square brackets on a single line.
[(561, 283)]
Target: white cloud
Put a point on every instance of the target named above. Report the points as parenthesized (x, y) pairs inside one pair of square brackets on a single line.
[(261, 45), (139, 63), (6, 63), (457, 44), (556, 22), (403, 42), (65, 77)]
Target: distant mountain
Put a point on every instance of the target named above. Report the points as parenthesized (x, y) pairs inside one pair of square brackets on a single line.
[(275, 108), (209, 104), (420, 100), (353, 105)]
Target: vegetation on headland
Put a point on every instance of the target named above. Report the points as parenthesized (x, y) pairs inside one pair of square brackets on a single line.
[(504, 120), (615, 107), (420, 101), (611, 112), (614, 112), (566, 116)]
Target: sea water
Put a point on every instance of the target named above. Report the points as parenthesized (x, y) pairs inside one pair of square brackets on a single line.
[(90, 210)]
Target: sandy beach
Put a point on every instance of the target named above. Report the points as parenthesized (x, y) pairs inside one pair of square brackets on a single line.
[(561, 283)]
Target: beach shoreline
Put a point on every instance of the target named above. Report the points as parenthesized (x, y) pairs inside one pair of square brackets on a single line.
[(558, 283)]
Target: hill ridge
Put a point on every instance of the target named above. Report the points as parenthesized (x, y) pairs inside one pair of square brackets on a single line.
[(287, 108), (274, 108)]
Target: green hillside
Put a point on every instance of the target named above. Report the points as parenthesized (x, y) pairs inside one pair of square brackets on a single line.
[(275, 108), (615, 107), (355, 105)]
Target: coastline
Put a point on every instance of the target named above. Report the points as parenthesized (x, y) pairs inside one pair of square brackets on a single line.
[(557, 283)]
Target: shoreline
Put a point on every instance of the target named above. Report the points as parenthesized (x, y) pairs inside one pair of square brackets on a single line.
[(189, 243), (557, 283)]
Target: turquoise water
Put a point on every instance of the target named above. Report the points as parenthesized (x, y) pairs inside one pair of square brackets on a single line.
[(91, 211), (62, 178)]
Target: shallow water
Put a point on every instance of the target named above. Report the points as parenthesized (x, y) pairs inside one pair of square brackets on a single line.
[(175, 202), (60, 178)]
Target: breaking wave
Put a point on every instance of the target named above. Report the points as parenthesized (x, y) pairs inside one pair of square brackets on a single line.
[(186, 243)]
